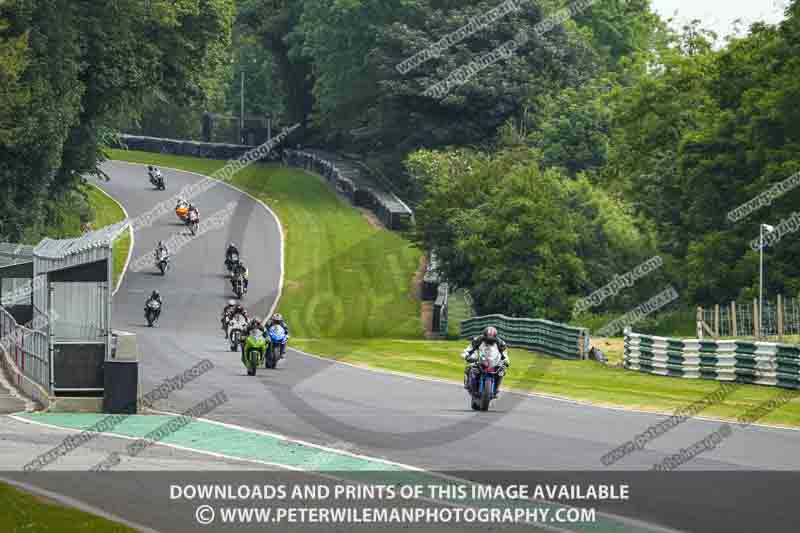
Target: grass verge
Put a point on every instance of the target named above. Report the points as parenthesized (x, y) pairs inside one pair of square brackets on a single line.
[(579, 380), (25, 512), (108, 212), (344, 277)]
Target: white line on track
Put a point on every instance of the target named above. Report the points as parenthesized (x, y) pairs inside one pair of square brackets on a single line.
[(130, 245), (160, 443), (256, 200), (623, 519)]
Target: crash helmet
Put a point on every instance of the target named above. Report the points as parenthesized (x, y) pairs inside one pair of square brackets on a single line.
[(232, 303), (155, 294), (490, 335), (277, 317)]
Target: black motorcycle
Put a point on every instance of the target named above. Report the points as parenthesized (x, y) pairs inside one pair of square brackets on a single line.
[(237, 284), (152, 312), (163, 263), (231, 262), (157, 180)]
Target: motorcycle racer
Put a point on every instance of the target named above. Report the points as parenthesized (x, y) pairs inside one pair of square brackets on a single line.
[(489, 337), (277, 318)]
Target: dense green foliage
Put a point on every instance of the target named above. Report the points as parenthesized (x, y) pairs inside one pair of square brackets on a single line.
[(673, 136), (67, 67), (594, 146)]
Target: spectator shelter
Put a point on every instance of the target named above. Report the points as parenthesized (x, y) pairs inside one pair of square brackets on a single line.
[(67, 336)]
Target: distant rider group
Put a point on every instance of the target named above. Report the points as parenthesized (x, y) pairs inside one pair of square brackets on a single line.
[(485, 356)]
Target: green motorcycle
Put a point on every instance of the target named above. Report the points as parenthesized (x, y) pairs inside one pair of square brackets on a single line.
[(255, 347)]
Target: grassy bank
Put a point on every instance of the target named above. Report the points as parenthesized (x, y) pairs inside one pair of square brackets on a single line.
[(345, 277), (25, 512), (580, 380), (107, 212)]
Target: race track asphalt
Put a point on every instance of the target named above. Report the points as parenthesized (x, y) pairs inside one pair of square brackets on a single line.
[(423, 423)]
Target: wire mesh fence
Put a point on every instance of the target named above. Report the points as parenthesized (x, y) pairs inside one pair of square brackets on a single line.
[(779, 318)]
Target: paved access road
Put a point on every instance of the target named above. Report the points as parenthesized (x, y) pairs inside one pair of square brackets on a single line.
[(421, 423)]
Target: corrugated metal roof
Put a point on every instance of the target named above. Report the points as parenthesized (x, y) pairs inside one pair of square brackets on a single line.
[(12, 253), (61, 248)]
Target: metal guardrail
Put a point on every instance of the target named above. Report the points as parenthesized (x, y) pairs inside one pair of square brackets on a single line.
[(761, 363), (28, 349), (552, 338), (354, 183)]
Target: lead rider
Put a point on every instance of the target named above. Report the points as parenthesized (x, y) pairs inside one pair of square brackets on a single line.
[(488, 337), (277, 319)]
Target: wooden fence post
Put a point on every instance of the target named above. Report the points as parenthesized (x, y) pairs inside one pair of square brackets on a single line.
[(716, 321), (699, 323), (756, 320), (733, 319), (780, 318)]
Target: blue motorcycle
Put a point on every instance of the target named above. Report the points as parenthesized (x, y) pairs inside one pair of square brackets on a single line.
[(277, 338)]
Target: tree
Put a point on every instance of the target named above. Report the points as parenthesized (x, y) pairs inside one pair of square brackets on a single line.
[(86, 63)]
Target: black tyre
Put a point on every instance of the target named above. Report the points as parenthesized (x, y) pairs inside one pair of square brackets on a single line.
[(474, 404), (269, 360), (486, 394)]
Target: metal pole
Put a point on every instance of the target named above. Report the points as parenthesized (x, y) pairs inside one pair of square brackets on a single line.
[(761, 281), (241, 115)]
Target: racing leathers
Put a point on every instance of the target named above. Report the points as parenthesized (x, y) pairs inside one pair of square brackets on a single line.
[(161, 249), (157, 297), (470, 356), (231, 311), (239, 268), (229, 253), (271, 322)]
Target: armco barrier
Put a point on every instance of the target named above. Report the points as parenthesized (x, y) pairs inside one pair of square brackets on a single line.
[(761, 363), (183, 147), (354, 183), (552, 338)]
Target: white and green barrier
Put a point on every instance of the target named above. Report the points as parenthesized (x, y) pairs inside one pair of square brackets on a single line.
[(543, 336), (762, 363)]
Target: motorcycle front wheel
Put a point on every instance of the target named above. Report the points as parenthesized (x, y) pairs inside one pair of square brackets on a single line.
[(269, 360), (486, 393), (252, 363)]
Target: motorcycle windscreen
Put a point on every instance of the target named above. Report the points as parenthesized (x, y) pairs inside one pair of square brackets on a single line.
[(490, 353)]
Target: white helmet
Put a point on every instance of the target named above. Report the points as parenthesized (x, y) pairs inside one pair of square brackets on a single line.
[(231, 302)]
